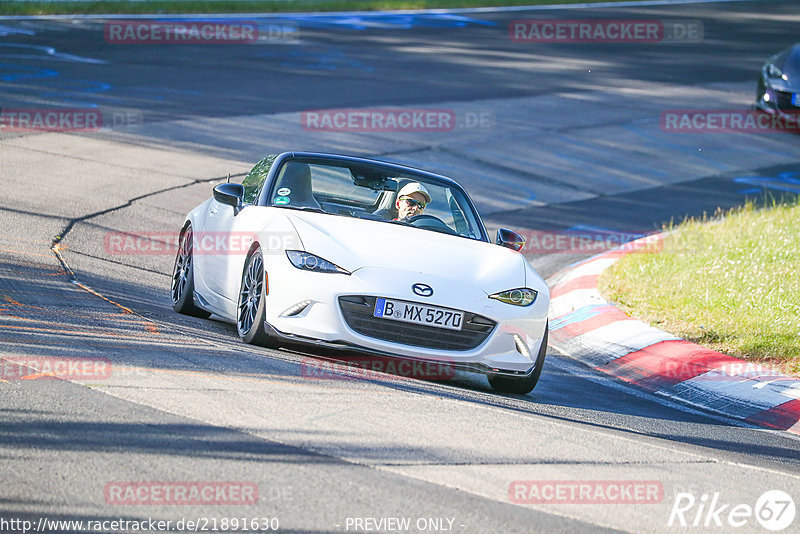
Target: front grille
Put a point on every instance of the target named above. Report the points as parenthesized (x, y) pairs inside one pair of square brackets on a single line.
[(784, 101), (358, 313)]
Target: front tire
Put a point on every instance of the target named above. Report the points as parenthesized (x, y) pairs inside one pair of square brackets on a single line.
[(251, 312), (521, 386), (182, 287)]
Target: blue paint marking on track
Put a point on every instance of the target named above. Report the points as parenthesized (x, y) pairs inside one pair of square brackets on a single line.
[(390, 21), (159, 94), (12, 73), (357, 21), (786, 182), (74, 91), (599, 232), (286, 27), (331, 59), (37, 52), (581, 314), (49, 84), (10, 30)]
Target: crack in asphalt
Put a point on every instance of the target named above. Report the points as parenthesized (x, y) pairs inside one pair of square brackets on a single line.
[(32, 213), (74, 221), (107, 260)]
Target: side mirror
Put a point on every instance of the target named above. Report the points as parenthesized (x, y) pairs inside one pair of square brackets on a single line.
[(510, 239), (230, 194), (773, 71)]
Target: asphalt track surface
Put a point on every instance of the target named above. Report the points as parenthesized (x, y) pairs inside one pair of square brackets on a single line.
[(572, 141)]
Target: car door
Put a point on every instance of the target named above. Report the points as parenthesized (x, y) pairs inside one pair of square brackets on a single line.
[(226, 236), (213, 247)]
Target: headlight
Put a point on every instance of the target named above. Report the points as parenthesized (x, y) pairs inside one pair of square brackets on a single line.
[(518, 297), (773, 71), (310, 262)]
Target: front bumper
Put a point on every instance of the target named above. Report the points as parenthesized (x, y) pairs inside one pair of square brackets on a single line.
[(352, 352), (776, 101), (303, 307)]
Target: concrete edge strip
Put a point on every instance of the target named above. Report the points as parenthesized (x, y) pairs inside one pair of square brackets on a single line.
[(587, 327)]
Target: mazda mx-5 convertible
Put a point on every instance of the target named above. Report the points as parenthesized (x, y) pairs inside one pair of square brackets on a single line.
[(368, 257)]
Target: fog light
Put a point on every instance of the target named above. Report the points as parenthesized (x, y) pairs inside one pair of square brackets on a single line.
[(522, 348), (297, 309)]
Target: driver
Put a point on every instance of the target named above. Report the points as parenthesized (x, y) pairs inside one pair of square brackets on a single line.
[(411, 200)]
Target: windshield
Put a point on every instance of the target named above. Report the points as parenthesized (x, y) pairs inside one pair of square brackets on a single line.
[(791, 66), (375, 193)]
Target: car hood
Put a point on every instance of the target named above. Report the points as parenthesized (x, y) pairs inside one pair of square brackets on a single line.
[(357, 243), (792, 85), (789, 63)]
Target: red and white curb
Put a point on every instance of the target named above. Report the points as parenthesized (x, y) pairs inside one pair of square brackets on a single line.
[(585, 326)]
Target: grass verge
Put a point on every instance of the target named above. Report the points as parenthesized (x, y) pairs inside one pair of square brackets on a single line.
[(88, 7), (730, 282)]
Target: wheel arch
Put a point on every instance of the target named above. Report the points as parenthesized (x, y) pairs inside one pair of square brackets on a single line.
[(254, 246)]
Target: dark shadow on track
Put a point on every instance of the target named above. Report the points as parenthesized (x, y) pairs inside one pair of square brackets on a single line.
[(647, 210), (59, 319)]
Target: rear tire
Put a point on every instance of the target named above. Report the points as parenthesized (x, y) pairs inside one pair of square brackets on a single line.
[(523, 385), (182, 287), (251, 307)]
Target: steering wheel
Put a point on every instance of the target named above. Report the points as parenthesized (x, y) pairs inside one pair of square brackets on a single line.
[(429, 222)]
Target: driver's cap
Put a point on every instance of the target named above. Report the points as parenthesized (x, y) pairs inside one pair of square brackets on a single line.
[(414, 187)]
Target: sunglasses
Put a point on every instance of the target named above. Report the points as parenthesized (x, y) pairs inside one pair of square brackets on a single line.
[(412, 202)]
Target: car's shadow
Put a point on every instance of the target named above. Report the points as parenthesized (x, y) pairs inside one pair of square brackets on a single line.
[(60, 319)]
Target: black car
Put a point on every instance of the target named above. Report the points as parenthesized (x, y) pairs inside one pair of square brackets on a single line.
[(779, 84)]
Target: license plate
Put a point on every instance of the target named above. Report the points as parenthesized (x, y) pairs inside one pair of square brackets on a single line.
[(410, 312), (796, 99)]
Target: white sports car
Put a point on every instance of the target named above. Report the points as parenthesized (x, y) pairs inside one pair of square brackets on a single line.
[(367, 256)]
